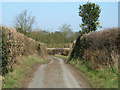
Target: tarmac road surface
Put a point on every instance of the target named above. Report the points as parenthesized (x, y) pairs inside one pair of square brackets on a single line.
[(54, 75)]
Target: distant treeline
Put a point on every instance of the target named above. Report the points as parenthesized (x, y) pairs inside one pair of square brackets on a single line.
[(57, 37)]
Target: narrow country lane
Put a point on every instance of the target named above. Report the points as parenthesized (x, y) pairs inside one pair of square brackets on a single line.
[(54, 75)]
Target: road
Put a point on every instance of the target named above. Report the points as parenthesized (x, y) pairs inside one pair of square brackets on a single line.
[(54, 75)]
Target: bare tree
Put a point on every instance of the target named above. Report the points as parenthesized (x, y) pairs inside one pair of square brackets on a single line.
[(67, 31), (24, 22)]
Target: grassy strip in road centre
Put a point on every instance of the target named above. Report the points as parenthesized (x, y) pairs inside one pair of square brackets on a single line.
[(15, 78), (108, 78)]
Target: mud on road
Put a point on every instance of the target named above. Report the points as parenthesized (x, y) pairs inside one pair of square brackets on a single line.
[(57, 74)]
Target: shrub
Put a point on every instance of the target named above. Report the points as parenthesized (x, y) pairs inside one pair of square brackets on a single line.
[(15, 44), (99, 48)]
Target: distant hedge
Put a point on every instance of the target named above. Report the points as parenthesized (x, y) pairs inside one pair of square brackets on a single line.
[(15, 44), (99, 48), (59, 51)]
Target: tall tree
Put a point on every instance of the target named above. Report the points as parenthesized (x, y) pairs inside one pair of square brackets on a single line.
[(24, 22), (90, 13), (67, 31)]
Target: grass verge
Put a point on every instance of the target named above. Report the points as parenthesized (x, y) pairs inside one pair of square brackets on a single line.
[(63, 57), (106, 78), (15, 78)]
